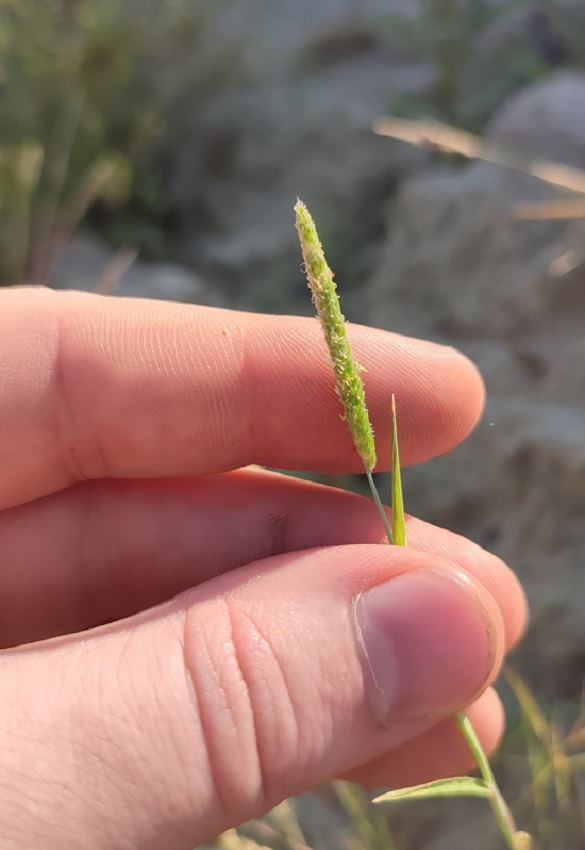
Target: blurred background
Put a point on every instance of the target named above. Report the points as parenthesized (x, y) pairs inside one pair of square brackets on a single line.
[(156, 148)]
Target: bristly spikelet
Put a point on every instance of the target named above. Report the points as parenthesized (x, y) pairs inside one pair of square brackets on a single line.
[(349, 384)]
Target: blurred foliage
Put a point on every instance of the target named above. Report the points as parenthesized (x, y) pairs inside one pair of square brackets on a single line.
[(86, 90), (543, 756), (92, 93), (470, 82)]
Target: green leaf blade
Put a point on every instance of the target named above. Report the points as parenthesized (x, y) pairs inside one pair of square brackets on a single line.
[(398, 524), (459, 786)]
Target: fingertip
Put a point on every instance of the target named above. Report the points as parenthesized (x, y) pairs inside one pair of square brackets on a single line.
[(456, 398), (439, 392), (431, 641), (437, 753), (488, 718), (502, 584), (468, 389)]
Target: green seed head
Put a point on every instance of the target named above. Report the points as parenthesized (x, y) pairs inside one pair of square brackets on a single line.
[(349, 384)]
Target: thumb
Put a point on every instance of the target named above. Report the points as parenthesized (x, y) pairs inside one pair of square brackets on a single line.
[(165, 729)]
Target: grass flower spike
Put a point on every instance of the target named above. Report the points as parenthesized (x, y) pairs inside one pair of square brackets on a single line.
[(349, 384), (351, 392)]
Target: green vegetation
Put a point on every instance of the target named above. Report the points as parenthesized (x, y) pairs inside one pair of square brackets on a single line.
[(87, 89), (469, 81)]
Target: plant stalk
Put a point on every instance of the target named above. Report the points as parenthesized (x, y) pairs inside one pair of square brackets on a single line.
[(379, 505), (501, 811)]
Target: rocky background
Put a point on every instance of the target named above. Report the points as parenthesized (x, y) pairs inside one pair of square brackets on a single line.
[(260, 102)]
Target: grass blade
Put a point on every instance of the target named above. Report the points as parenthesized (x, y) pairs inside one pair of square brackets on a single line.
[(398, 525), (459, 786)]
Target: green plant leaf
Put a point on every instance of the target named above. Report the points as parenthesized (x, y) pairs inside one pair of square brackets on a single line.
[(398, 526), (529, 706), (459, 786)]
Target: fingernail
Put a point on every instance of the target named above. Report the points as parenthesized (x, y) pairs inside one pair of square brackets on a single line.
[(427, 644)]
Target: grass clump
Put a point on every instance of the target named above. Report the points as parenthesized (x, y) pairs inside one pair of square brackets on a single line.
[(351, 392), (89, 89)]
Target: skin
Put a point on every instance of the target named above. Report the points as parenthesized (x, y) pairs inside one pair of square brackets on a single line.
[(178, 648)]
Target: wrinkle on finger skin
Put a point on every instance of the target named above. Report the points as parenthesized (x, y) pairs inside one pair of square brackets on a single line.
[(80, 450), (221, 685)]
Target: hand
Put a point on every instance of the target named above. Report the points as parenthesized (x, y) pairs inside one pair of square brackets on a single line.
[(203, 637)]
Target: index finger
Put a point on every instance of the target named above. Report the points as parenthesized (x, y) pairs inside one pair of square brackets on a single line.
[(95, 387)]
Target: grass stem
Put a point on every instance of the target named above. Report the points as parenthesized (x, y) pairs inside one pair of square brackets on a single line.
[(379, 505), (501, 811)]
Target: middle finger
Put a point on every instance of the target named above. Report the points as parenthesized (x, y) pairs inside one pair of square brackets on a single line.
[(101, 551)]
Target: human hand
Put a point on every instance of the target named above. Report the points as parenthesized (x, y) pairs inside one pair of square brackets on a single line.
[(276, 644)]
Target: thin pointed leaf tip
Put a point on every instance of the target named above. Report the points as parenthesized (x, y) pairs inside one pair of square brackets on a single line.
[(398, 524), (350, 388)]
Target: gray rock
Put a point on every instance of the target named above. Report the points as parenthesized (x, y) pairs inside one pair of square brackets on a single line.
[(545, 120), (531, 29), (457, 262), (278, 31), (87, 264), (236, 177)]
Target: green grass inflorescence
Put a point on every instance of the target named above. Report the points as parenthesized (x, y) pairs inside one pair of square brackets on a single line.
[(349, 384)]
